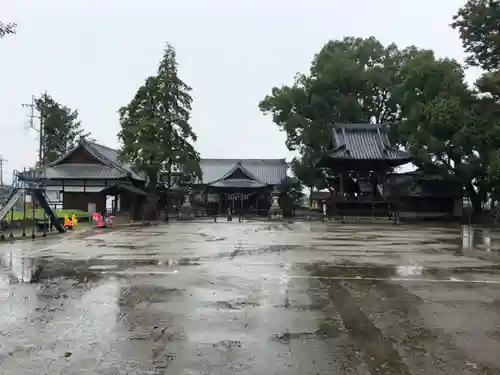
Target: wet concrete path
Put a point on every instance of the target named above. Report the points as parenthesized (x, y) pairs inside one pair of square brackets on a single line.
[(252, 298)]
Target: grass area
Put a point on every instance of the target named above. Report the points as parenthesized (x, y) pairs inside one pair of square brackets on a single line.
[(19, 215)]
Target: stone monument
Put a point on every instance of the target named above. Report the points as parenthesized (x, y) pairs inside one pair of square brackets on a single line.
[(186, 211), (275, 211)]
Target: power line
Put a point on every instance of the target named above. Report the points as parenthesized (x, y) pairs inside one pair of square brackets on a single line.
[(31, 125)]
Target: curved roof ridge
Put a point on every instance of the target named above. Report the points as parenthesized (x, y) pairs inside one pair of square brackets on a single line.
[(233, 169)]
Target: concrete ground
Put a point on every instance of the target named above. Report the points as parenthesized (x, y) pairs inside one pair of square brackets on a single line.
[(252, 298)]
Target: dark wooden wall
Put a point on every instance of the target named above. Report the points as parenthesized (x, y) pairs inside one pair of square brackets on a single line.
[(80, 201), (80, 156)]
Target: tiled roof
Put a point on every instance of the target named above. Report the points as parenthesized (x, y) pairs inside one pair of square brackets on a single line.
[(238, 183), (111, 167), (113, 156), (264, 171), (364, 142), (83, 171)]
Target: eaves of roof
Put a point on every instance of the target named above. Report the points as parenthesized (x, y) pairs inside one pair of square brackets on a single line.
[(234, 169), (99, 152)]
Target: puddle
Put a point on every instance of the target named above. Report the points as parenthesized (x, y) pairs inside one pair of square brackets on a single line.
[(30, 269)]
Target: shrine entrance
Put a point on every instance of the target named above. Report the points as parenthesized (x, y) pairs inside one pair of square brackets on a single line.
[(244, 188), (238, 203), (243, 202)]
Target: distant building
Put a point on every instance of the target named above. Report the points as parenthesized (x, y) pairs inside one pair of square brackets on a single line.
[(362, 160), (361, 156), (241, 185), (86, 175), (425, 196)]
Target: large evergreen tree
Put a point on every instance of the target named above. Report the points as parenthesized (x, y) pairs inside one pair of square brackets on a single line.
[(477, 22), (425, 99), (350, 80), (156, 133), (61, 128)]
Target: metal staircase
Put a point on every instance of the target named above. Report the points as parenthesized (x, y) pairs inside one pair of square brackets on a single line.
[(13, 198), (41, 197), (30, 182)]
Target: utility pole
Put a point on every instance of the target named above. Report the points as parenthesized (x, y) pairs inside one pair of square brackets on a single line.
[(41, 136), (31, 106), (2, 162)]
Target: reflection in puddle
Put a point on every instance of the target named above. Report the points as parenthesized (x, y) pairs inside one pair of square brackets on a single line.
[(22, 269), (474, 238)]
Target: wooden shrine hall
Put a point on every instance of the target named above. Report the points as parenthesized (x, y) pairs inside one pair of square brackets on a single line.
[(239, 185), (360, 158)]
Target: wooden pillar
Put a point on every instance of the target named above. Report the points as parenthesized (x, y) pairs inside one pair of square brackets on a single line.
[(384, 186), (257, 203), (374, 181), (206, 200), (220, 203), (342, 194), (341, 187), (62, 200)]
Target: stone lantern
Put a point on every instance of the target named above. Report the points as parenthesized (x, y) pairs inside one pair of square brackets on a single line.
[(186, 211), (275, 211)]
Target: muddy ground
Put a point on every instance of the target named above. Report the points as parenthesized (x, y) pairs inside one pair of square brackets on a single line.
[(252, 298)]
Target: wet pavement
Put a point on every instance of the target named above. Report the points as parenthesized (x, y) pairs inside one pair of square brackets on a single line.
[(253, 298)]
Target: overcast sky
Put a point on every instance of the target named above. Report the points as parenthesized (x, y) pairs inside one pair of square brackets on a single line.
[(92, 55)]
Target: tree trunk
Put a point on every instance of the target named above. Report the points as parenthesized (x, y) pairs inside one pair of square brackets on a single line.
[(474, 198), (151, 209), (169, 187), (310, 196)]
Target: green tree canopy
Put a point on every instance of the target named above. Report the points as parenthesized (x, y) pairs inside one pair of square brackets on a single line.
[(61, 127), (439, 123), (7, 29), (155, 126), (304, 170), (290, 195), (431, 110), (477, 24), (349, 81)]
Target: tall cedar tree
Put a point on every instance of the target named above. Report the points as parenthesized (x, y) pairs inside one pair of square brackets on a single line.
[(156, 133), (61, 128)]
